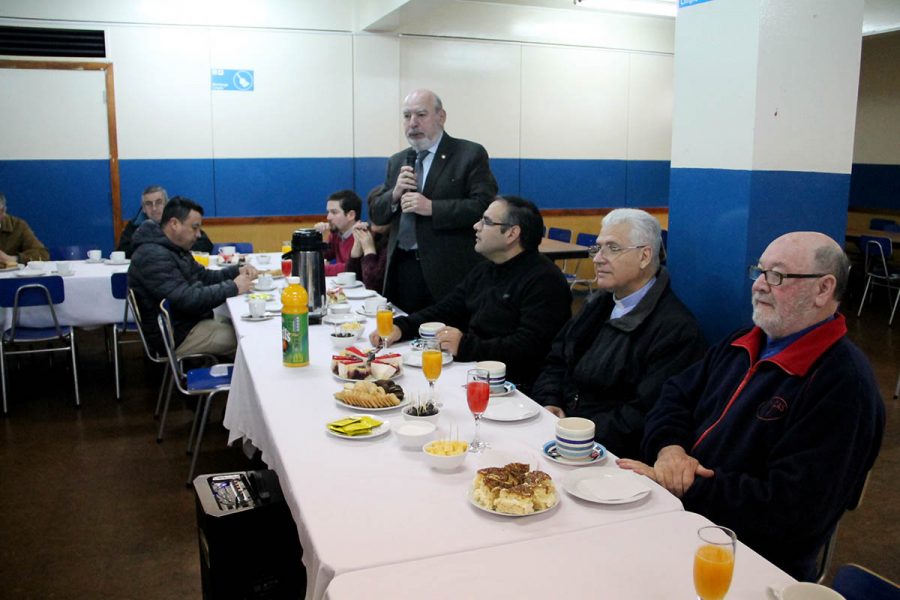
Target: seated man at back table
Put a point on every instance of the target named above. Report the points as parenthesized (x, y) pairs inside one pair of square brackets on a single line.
[(344, 209), (162, 267), (610, 360), (509, 307), (18, 244), (153, 200), (774, 432)]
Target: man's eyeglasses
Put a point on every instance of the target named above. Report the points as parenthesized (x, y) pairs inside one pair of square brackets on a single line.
[(610, 251), (775, 278), (488, 222)]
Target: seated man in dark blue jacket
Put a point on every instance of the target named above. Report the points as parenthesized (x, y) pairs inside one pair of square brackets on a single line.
[(610, 360), (162, 267), (774, 432), (509, 307)]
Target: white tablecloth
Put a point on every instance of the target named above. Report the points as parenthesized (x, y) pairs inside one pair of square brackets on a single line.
[(359, 504), (89, 301), (644, 558)]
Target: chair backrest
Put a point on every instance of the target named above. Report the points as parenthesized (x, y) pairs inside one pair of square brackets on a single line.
[(854, 582), (71, 252), (876, 251), (32, 291), (168, 336), (118, 284), (239, 247), (881, 224), (132, 303), (559, 234), (586, 239)]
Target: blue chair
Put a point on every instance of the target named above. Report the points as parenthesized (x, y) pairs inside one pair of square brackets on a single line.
[(664, 249), (560, 235), (239, 247), (877, 251), (70, 252), (35, 291), (854, 582), (151, 354), (882, 224), (582, 239), (118, 284), (195, 382)]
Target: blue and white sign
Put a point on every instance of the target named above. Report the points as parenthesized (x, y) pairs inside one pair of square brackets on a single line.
[(232, 80), (683, 3)]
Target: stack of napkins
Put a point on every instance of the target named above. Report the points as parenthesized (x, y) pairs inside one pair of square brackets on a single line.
[(353, 426)]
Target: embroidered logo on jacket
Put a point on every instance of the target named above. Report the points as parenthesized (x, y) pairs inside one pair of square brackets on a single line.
[(772, 409)]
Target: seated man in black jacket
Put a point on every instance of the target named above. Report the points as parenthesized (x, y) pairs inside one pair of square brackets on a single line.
[(609, 362), (153, 200), (162, 267), (509, 307)]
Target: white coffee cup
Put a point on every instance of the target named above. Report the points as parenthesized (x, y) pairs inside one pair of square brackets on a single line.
[(346, 278), (575, 438), (64, 268), (263, 259), (429, 330), (117, 256), (257, 308), (373, 303), (339, 308), (226, 252), (94, 255), (38, 265), (264, 281), (497, 372), (809, 591)]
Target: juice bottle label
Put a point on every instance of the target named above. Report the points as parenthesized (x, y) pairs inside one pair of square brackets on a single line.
[(295, 339)]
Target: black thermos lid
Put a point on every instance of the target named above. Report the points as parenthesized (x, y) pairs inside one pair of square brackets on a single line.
[(306, 240)]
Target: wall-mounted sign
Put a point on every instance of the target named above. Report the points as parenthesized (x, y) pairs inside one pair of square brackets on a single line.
[(232, 80), (683, 3)]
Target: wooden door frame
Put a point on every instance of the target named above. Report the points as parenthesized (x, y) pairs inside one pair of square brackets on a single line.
[(107, 68)]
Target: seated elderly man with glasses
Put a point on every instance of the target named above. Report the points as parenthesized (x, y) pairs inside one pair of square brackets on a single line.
[(609, 362), (508, 307), (773, 433)]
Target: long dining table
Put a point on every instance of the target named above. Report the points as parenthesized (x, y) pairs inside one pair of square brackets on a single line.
[(363, 503)]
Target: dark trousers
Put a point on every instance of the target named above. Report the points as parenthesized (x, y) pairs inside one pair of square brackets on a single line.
[(405, 286)]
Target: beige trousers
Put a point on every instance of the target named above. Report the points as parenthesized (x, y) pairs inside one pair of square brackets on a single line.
[(209, 337)]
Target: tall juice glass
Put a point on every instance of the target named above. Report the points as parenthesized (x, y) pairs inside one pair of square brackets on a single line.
[(714, 562), (432, 360), (286, 247), (478, 393), (384, 321), (201, 257), (286, 265)]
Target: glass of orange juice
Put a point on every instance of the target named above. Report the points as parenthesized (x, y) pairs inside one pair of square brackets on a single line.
[(201, 257), (286, 246), (432, 360), (714, 562), (384, 320)]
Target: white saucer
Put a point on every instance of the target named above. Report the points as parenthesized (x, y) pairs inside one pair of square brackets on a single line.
[(116, 263), (607, 485), (358, 294), (508, 388), (264, 289), (33, 273), (510, 409), (265, 317), (355, 284), (597, 456), (94, 262)]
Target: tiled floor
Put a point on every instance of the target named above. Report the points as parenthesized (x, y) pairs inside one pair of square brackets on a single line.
[(92, 507)]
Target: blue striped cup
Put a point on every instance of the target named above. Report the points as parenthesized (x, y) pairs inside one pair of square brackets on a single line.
[(575, 438)]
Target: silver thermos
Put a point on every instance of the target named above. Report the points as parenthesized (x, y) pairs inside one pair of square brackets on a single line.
[(309, 265)]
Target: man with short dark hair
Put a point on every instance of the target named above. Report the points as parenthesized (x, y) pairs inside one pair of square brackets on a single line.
[(162, 267), (343, 211), (774, 432), (509, 307), (153, 201), (18, 244)]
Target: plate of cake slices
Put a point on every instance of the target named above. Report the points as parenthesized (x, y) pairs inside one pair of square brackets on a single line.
[(513, 490), (352, 364)]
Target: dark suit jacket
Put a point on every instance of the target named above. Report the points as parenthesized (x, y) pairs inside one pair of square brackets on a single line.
[(461, 186)]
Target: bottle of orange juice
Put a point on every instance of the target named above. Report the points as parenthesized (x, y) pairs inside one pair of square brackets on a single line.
[(294, 324)]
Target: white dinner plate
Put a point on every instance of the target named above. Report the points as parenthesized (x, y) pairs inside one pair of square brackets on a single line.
[(338, 319), (358, 294), (116, 263), (376, 432), (34, 273), (501, 514), (362, 311), (249, 317), (606, 485), (510, 409), (403, 403), (598, 455), (11, 269), (414, 358)]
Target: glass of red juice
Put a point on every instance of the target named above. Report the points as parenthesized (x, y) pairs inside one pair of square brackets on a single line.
[(478, 393), (286, 264)]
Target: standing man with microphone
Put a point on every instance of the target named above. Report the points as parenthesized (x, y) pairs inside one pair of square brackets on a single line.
[(433, 193)]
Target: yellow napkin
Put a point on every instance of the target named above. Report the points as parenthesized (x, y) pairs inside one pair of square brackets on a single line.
[(352, 426)]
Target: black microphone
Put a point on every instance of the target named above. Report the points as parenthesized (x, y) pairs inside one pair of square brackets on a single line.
[(411, 161)]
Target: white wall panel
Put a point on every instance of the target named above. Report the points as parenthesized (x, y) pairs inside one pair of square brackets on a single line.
[(650, 100), (162, 91), (574, 103), (302, 104), (478, 83), (49, 114), (377, 95), (878, 112)]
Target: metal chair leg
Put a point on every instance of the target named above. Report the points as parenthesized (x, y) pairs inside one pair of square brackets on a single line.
[(74, 366), (162, 392), (115, 353), (865, 291), (162, 418), (896, 389), (893, 310), (3, 375), (199, 441)]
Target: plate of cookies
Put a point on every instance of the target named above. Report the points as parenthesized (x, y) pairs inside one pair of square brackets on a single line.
[(371, 396), (513, 490)]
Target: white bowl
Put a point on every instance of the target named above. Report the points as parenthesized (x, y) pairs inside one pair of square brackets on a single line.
[(414, 434), (417, 419), (343, 341), (263, 259), (444, 463)]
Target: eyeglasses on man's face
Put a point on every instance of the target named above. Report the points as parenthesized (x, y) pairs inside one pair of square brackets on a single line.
[(486, 221), (610, 250), (775, 278)]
